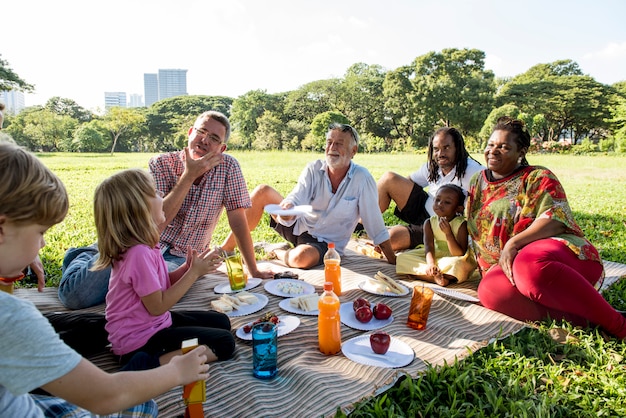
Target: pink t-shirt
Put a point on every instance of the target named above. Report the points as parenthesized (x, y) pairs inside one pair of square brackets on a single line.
[(141, 271)]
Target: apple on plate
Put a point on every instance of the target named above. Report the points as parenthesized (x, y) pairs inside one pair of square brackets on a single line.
[(358, 302), (363, 314), (381, 311), (380, 341)]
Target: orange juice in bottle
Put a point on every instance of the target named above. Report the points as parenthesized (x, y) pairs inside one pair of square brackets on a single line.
[(332, 270), (328, 322)]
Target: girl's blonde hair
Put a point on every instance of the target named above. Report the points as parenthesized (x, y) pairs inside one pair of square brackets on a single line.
[(123, 216), (29, 192)]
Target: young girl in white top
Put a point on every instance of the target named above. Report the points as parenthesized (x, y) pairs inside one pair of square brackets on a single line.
[(127, 210)]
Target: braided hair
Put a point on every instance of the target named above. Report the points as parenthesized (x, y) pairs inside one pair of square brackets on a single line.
[(460, 157)]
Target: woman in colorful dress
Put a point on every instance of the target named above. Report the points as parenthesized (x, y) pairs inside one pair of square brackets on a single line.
[(535, 261)]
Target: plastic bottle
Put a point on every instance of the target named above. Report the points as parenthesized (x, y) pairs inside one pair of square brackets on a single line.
[(332, 270), (328, 322)]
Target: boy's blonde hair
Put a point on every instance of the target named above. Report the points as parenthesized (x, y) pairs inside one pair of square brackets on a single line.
[(123, 216), (29, 192)]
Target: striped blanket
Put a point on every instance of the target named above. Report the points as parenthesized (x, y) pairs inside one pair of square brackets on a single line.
[(312, 384)]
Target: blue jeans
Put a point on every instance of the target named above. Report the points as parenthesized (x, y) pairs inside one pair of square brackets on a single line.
[(81, 288)]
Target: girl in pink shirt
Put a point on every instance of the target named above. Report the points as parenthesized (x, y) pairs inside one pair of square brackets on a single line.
[(128, 210)]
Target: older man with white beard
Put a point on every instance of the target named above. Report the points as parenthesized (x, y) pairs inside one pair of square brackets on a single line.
[(340, 193)]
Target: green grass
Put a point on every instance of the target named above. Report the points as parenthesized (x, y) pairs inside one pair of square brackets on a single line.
[(531, 374)]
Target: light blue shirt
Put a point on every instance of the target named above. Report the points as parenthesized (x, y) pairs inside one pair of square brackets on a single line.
[(336, 214)]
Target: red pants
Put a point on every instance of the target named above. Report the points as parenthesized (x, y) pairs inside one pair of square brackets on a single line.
[(551, 282)]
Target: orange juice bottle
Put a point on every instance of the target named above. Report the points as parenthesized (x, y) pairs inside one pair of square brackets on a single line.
[(328, 322), (332, 270)]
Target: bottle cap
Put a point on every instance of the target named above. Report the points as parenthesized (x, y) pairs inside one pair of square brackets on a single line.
[(331, 245), (328, 286)]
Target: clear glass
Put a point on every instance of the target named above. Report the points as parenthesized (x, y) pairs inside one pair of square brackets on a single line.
[(236, 275), (264, 350)]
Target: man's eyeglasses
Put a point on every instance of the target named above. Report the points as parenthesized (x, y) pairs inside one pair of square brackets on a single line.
[(204, 134)]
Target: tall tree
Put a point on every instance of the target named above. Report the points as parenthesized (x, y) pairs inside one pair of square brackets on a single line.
[(570, 103), (361, 99), (68, 107), (452, 88), (248, 108), (312, 99), (120, 120)]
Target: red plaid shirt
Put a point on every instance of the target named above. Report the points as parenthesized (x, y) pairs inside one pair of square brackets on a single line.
[(221, 187)]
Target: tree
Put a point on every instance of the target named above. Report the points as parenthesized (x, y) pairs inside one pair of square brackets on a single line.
[(361, 99), (44, 130), (269, 132), (449, 88), (570, 103), (452, 88), (312, 99), (11, 81), (248, 108), (119, 120), (397, 92), (68, 107), (92, 136)]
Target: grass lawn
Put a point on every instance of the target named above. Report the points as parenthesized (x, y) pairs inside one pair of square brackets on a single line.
[(550, 370)]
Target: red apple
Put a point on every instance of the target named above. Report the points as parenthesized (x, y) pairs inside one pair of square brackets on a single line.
[(381, 311), (360, 302), (380, 341), (363, 314)]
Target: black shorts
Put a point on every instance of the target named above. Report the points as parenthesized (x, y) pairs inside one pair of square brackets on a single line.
[(414, 213), (305, 238)]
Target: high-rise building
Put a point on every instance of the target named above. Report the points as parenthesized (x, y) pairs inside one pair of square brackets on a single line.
[(172, 83), (13, 101), (151, 88), (135, 100), (114, 98), (167, 83)]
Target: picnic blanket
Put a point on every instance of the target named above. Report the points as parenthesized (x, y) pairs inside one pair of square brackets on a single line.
[(310, 383)]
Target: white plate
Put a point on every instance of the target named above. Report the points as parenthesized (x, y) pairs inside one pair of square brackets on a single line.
[(271, 286), (346, 312), (454, 294), (249, 309), (294, 211), (286, 305), (359, 350), (285, 326), (363, 286), (225, 287)]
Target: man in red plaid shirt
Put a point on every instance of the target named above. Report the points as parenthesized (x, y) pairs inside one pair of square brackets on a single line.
[(198, 183)]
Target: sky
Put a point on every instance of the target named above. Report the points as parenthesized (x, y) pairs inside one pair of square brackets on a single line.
[(80, 49)]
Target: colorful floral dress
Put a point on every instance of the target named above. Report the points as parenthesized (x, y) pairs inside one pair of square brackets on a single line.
[(498, 210)]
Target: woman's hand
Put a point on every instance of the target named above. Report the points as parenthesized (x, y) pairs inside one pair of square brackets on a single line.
[(508, 254)]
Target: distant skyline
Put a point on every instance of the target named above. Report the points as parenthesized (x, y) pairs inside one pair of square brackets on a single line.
[(230, 47)]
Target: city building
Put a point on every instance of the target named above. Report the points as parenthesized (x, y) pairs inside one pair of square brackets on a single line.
[(114, 98), (135, 100), (13, 101), (172, 83), (167, 83), (151, 88)]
